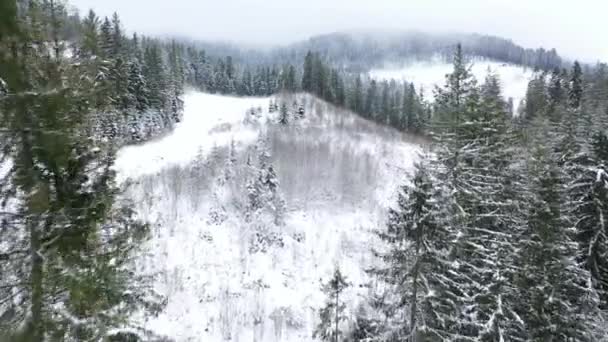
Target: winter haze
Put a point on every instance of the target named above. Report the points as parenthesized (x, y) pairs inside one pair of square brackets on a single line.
[(575, 29)]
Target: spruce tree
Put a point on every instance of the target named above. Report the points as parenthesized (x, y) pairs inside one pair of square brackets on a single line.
[(385, 105), (356, 101), (289, 79), (106, 37), (370, 108), (555, 297), (409, 120), (90, 37), (155, 74), (64, 274), (307, 77), (576, 86), (475, 151), (556, 89), (137, 87), (332, 313), (588, 204), (284, 114), (453, 101), (416, 264), (118, 38)]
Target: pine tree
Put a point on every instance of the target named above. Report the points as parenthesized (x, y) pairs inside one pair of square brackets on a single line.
[(289, 79), (307, 77), (90, 39), (332, 313), (416, 264), (176, 80), (247, 86), (106, 39), (556, 89), (475, 152), (284, 114), (356, 102), (321, 79), (370, 108), (263, 190), (340, 91), (137, 87), (385, 106), (409, 119), (155, 75), (117, 36), (536, 98), (576, 86), (64, 273), (555, 298), (588, 204), (455, 99)]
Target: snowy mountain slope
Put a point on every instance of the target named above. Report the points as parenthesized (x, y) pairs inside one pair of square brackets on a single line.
[(337, 173), (428, 74)]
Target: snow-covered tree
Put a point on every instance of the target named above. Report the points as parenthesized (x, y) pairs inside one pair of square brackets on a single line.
[(332, 312), (64, 272), (283, 114), (458, 96), (416, 262), (575, 94), (475, 161), (555, 293)]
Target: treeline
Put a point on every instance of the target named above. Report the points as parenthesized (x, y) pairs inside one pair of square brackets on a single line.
[(501, 234), (387, 102), (141, 78), (360, 52), (393, 103), (145, 78), (222, 75), (67, 237)]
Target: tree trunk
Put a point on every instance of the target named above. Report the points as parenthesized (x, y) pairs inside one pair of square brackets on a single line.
[(36, 333), (337, 316), (36, 282), (414, 300)]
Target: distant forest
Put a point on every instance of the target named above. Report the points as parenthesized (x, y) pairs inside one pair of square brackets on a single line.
[(150, 74)]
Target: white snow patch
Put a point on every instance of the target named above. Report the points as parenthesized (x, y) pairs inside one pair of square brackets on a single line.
[(428, 74), (208, 120)]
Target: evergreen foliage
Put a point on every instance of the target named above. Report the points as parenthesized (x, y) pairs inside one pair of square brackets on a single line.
[(333, 312), (506, 248), (67, 238)]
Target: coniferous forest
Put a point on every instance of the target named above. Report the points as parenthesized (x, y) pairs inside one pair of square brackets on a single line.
[(499, 233)]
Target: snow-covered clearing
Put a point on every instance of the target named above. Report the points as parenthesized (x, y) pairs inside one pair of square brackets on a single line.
[(431, 73), (338, 173), (208, 120)]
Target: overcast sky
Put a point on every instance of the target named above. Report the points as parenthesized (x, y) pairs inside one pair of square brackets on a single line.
[(578, 29)]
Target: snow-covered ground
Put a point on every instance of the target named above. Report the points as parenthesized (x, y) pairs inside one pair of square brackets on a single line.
[(208, 121), (338, 174), (431, 73)]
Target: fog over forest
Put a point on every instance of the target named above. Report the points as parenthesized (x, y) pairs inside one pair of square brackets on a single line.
[(576, 29)]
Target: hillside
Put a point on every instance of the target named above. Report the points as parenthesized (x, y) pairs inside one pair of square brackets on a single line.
[(228, 277), (362, 50)]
